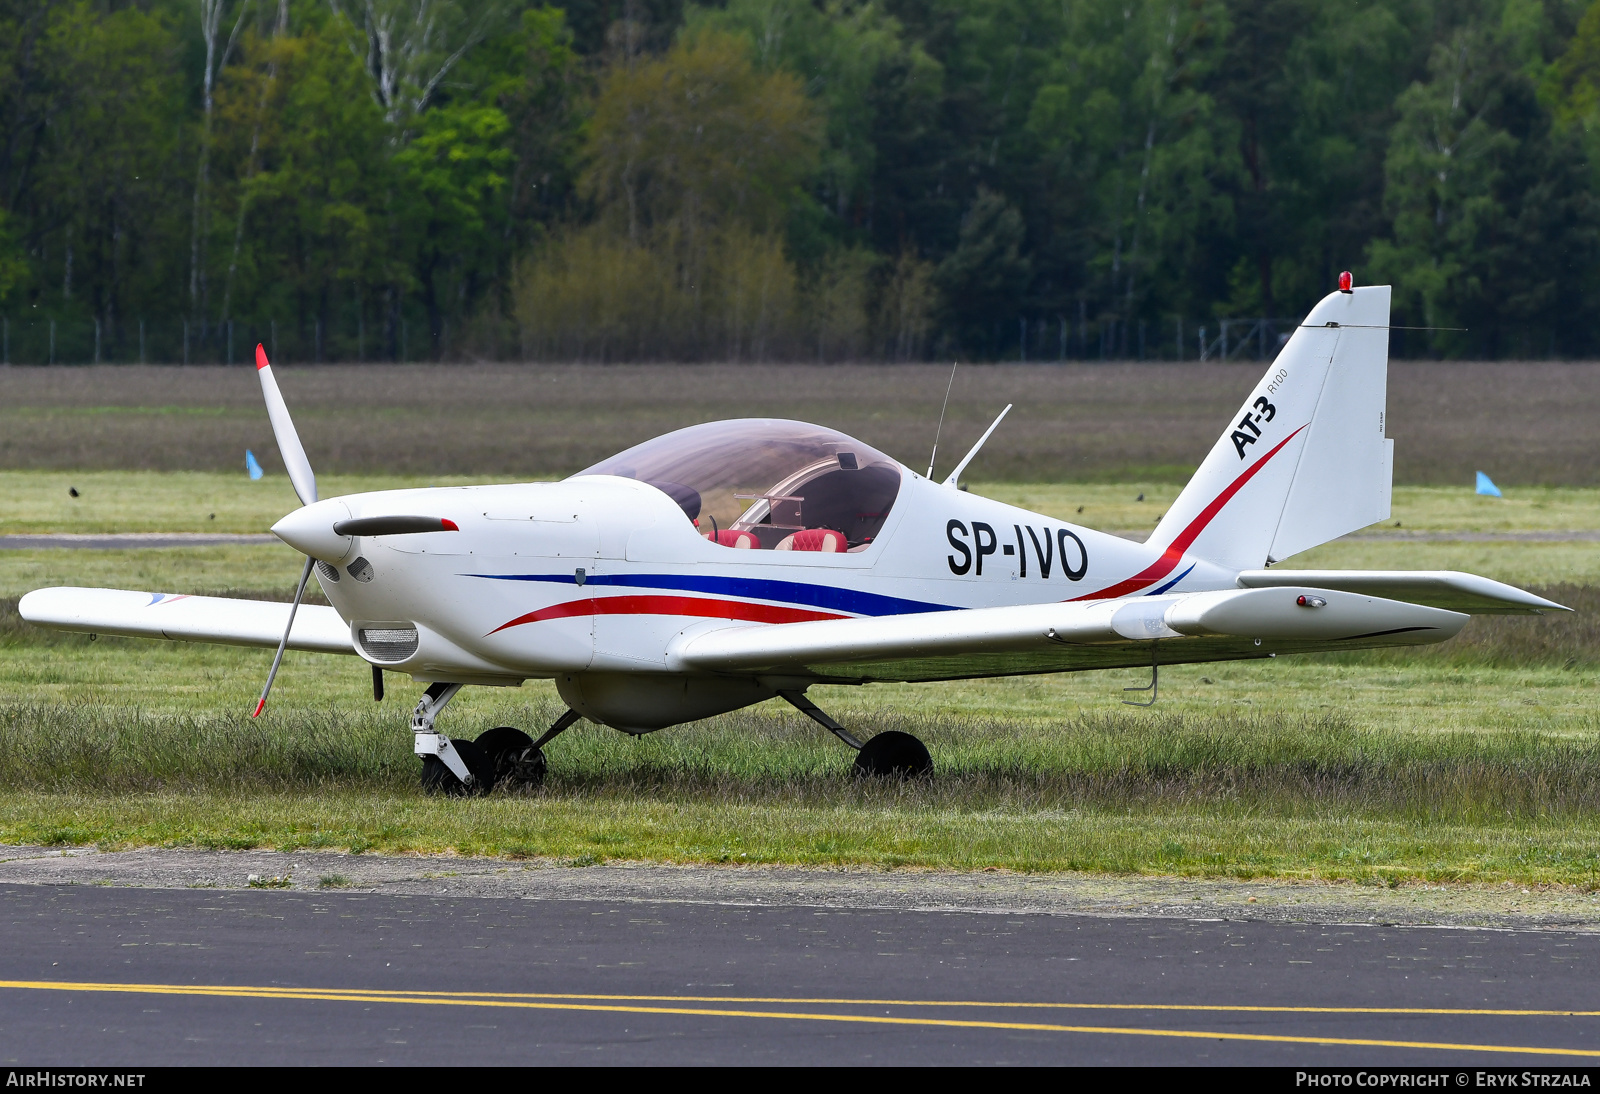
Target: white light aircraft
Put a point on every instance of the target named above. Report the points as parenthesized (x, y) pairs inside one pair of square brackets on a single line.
[(728, 563)]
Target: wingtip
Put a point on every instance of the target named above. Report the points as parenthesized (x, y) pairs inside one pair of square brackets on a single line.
[(261, 357), (260, 706)]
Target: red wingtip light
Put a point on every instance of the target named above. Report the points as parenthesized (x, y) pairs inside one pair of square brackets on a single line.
[(447, 525), (1346, 282), (261, 357), (260, 706)]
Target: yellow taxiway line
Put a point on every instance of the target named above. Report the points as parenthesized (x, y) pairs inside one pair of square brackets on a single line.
[(619, 1004)]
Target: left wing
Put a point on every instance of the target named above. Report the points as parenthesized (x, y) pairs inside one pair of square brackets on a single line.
[(1212, 626), (1452, 589), (260, 623)]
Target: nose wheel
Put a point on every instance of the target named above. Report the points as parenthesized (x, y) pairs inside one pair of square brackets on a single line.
[(437, 778), (503, 756)]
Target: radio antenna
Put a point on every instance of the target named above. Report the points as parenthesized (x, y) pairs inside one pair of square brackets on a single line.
[(942, 409)]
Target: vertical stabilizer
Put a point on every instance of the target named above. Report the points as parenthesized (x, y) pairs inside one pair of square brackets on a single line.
[(1305, 459)]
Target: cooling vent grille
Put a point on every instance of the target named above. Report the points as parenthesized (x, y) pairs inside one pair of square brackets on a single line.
[(388, 643), (327, 572)]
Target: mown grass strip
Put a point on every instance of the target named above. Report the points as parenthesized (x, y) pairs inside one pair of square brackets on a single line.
[(1184, 842)]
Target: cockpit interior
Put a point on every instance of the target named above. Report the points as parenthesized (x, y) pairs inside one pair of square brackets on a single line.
[(768, 484)]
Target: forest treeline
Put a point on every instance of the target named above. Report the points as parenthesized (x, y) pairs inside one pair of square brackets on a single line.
[(791, 179)]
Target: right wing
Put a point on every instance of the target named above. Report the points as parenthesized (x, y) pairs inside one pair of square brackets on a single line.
[(186, 618), (1195, 627)]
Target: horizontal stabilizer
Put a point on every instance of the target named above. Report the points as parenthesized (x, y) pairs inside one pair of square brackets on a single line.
[(183, 618), (1196, 627), (1449, 589)]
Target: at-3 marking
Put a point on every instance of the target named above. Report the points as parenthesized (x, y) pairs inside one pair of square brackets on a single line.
[(1265, 411)]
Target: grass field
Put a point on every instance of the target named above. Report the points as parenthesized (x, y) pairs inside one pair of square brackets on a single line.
[(1524, 423), (1476, 760), (221, 501)]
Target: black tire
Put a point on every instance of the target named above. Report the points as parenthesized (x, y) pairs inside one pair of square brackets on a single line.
[(893, 755), (515, 759), (439, 779)]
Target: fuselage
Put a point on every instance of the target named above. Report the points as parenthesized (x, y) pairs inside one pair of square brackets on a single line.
[(598, 574)]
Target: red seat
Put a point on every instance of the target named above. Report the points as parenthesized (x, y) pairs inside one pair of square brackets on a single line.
[(825, 540), (741, 540)]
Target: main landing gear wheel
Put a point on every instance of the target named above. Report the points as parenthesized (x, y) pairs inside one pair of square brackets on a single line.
[(516, 759), (439, 779), (892, 754)]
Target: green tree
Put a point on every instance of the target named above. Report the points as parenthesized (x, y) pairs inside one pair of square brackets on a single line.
[(453, 174), (313, 180), (409, 49), (692, 164), (1494, 219), (697, 139), (841, 51), (1135, 165), (542, 89), (987, 273), (1313, 132), (90, 189)]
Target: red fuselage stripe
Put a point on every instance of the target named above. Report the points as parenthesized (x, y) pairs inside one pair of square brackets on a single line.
[(1170, 558), (671, 605)]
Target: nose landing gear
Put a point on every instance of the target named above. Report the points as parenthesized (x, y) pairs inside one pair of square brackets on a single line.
[(889, 755), (461, 768)]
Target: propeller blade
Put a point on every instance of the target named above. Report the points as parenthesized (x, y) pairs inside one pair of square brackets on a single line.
[(289, 447), (299, 593), (393, 526)]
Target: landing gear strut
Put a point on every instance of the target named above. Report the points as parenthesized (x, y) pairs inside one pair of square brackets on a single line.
[(890, 754), (456, 768)]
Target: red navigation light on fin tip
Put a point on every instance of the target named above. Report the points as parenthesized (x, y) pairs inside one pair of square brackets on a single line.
[(1346, 283)]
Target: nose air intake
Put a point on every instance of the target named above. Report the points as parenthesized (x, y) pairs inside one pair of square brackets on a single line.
[(393, 526)]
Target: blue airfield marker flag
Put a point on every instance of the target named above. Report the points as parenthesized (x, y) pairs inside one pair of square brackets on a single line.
[(254, 468), (1486, 486)]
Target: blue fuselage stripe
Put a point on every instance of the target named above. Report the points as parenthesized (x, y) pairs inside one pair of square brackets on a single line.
[(1174, 581), (787, 592)]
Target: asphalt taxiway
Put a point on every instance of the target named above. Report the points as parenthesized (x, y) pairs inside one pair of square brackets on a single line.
[(121, 964)]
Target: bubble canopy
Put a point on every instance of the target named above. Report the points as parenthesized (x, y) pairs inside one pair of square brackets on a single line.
[(770, 477)]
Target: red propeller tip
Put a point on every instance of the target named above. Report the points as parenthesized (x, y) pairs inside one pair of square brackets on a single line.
[(261, 356), (448, 525), (260, 706)]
